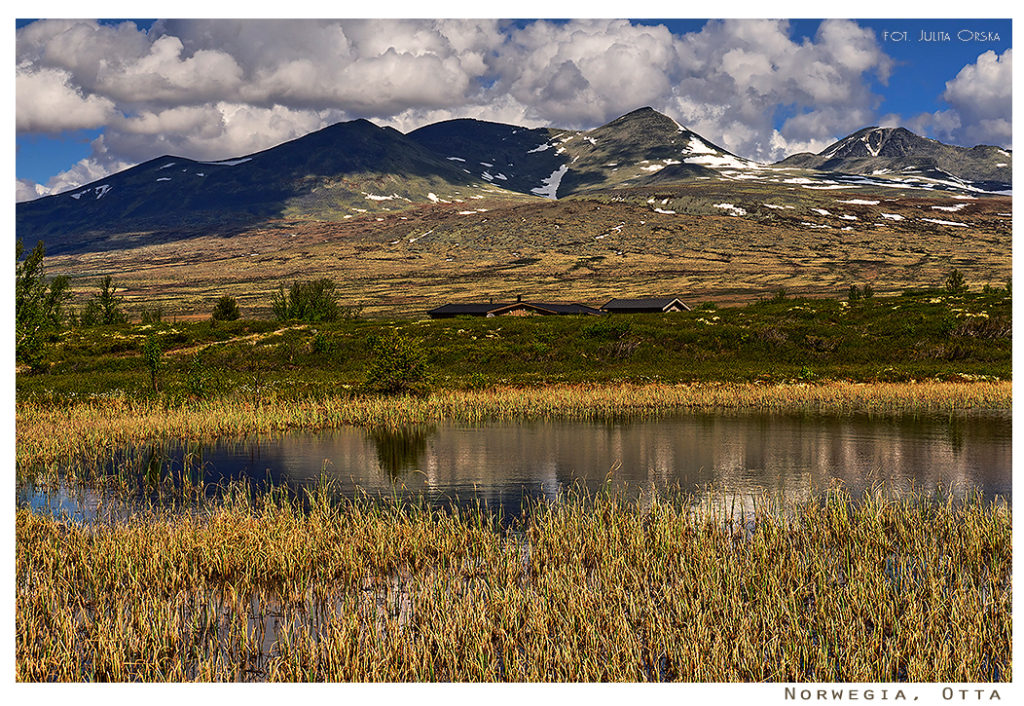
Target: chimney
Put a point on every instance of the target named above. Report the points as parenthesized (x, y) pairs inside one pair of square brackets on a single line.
[(519, 297)]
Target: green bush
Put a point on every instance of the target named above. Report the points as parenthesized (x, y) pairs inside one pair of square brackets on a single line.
[(38, 305), (955, 283), (151, 354), (226, 309), (105, 307), (397, 366), (154, 315), (307, 300)]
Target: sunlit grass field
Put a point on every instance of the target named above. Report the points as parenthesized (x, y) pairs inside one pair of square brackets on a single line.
[(274, 587), (928, 334)]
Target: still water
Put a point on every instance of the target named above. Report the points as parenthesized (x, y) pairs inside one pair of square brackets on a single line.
[(501, 465)]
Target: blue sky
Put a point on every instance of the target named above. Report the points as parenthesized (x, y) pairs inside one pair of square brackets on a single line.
[(98, 96)]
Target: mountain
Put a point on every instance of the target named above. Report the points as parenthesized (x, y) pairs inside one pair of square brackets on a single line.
[(352, 169), (341, 171), (641, 147), (513, 157), (876, 150)]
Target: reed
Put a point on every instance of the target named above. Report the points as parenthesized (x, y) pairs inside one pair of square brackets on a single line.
[(590, 588), (48, 434)]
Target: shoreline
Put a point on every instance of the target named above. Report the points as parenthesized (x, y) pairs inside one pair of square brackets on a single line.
[(47, 433)]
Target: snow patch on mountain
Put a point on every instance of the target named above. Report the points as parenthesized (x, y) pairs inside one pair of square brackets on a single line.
[(549, 186), (945, 223), (732, 209)]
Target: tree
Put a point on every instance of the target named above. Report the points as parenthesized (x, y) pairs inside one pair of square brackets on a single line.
[(955, 283), (38, 305), (308, 300), (151, 353), (398, 367), (226, 309), (105, 306), (854, 293), (109, 303)]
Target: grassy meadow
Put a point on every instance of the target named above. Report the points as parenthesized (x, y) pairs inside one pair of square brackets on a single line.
[(586, 248), (260, 589), (277, 587), (923, 335)]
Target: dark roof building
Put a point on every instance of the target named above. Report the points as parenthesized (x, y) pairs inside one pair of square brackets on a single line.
[(448, 311), (657, 305)]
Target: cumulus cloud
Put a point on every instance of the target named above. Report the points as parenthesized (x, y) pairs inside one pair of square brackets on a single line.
[(26, 190), (213, 89), (48, 102), (981, 96), (980, 99)]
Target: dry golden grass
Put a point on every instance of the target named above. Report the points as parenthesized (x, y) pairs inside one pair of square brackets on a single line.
[(590, 589), (572, 249), (50, 434)]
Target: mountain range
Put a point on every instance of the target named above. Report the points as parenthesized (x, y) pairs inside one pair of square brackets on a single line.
[(352, 169)]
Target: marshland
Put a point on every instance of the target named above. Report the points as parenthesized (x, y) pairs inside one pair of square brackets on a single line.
[(859, 530)]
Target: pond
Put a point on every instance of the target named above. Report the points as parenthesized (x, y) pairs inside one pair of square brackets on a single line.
[(502, 464)]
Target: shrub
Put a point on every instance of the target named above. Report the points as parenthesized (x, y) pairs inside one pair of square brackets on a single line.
[(308, 300), (104, 307), (151, 353), (38, 305), (398, 366), (226, 309), (153, 316), (955, 283), (854, 294)]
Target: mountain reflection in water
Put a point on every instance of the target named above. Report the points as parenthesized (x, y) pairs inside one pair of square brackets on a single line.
[(503, 464)]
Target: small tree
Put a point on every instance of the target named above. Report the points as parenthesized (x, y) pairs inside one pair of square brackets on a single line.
[(226, 309), (105, 306), (308, 300), (151, 354), (854, 293), (398, 367), (38, 305), (869, 291), (955, 283)]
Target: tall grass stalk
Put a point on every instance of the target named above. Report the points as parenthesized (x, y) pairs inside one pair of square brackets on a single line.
[(888, 588)]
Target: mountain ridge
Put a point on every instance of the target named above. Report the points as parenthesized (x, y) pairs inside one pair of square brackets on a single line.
[(355, 168), (874, 150)]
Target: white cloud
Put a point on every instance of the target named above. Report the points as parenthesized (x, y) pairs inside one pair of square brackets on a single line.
[(26, 190), (980, 99), (211, 89), (981, 96), (48, 102)]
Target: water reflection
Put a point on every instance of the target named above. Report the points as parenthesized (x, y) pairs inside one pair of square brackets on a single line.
[(501, 465), (400, 450)]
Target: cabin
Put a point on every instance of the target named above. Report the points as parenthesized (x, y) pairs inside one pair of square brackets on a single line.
[(517, 308), (648, 305)]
